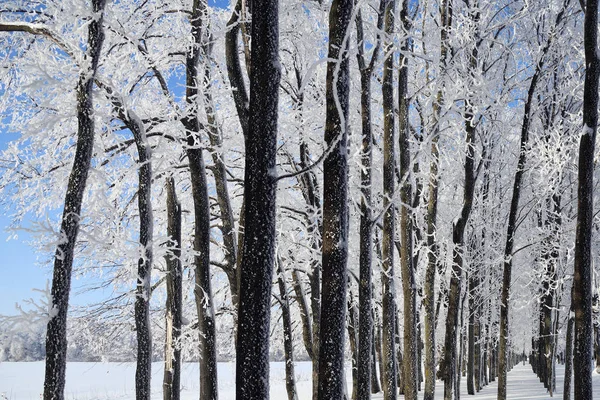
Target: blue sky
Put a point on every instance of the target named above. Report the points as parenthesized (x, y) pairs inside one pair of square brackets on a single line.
[(22, 269)]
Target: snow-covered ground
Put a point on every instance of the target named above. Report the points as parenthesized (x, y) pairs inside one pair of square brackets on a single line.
[(95, 381)]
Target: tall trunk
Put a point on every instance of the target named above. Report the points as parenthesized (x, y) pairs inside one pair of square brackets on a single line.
[(202, 289), (172, 375), (365, 294), (410, 363), (288, 345), (432, 254), (388, 314), (220, 175), (56, 334), (335, 207), (142, 300), (582, 280), (252, 368)]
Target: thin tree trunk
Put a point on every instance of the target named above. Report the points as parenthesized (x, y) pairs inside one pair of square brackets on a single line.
[(172, 376), (56, 334), (582, 280), (288, 345), (252, 355), (202, 289), (569, 356), (410, 363), (353, 338), (432, 254), (388, 313)]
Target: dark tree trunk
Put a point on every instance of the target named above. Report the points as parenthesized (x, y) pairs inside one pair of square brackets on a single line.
[(582, 280), (143, 291), (353, 338), (388, 314), (569, 356), (202, 289), (252, 368), (219, 172), (288, 345), (365, 294), (432, 254), (410, 364), (172, 376), (234, 69), (458, 232), (56, 334), (335, 207)]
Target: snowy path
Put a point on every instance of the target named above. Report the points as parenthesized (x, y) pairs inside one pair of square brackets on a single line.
[(95, 381)]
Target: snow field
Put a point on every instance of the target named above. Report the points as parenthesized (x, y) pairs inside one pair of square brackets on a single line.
[(103, 381)]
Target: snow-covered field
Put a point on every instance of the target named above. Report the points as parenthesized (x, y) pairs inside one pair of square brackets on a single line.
[(95, 381)]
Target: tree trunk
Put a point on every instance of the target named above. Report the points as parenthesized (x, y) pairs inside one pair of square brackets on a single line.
[(432, 254), (410, 363), (365, 295), (56, 334), (569, 357), (388, 313), (202, 289), (458, 232), (582, 280), (172, 376), (252, 367), (288, 345), (353, 338), (335, 207)]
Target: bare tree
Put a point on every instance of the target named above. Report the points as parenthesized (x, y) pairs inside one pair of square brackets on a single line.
[(252, 367)]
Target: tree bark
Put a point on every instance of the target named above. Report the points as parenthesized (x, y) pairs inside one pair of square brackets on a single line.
[(569, 356), (335, 207), (432, 254), (56, 334), (365, 295), (172, 375), (202, 289), (288, 345), (582, 280), (252, 367), (388, 314), (410, 362)]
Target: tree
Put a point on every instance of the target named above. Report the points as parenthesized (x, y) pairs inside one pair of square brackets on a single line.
[(56, 334), (388, 291), (172, 376), (192, 124), (252, 367), (335, 207), (582, 280), (365, 293), (411, 360)]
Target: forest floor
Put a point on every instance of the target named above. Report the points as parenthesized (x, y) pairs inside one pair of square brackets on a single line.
[(99, 381)]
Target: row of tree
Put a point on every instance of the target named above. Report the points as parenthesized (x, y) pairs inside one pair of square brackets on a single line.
[(180, 137)]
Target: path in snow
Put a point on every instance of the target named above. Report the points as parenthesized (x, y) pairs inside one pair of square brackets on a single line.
[(100, 381)]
